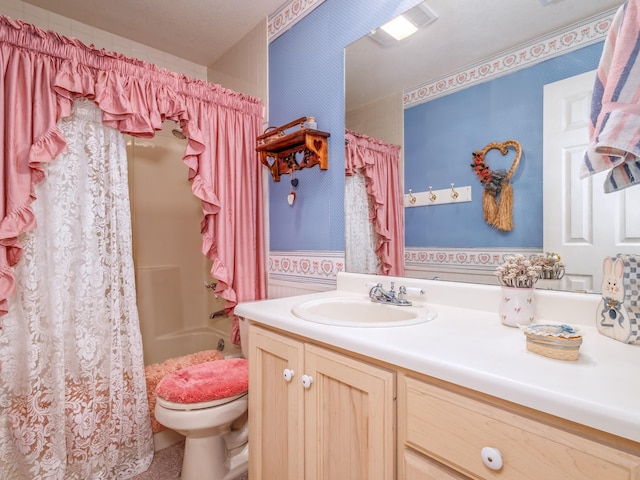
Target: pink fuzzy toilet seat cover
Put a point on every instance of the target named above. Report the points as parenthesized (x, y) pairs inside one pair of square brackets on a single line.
[(206, 382)]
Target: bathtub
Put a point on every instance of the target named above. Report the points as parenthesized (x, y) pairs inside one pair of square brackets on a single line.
[(184, 342)]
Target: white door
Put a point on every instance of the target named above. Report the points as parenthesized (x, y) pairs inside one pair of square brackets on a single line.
[(581, 222)]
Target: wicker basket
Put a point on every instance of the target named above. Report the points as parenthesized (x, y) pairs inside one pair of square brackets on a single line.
[(560, 342)]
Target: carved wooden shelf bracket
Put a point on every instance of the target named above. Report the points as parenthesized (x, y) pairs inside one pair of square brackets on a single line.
[(279, 151)]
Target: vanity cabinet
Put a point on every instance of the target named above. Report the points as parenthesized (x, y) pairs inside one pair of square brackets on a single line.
[(315, 413), (446, 432)]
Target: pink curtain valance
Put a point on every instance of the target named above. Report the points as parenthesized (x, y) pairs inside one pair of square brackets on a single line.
[(379, 163), (44, 72)]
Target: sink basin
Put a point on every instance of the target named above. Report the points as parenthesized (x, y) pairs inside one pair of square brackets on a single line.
[(361, 312)]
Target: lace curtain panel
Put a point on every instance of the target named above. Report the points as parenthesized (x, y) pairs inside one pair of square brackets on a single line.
[(72, 390), (378, 162), (360, 249)]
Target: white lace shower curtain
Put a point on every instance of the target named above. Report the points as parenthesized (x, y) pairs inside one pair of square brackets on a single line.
[(360, 250), (72, 394)]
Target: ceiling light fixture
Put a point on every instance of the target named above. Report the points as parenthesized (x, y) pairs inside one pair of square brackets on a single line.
[(404, 25), (399, 28)]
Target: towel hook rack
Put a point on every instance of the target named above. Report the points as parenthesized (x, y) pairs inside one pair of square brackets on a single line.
[(431, 197)]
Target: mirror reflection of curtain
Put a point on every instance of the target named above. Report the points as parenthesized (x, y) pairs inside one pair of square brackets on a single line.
[(360, 253), (374, 212), (73, 394)]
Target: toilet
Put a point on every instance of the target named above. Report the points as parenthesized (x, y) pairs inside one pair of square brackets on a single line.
[(202, 402)]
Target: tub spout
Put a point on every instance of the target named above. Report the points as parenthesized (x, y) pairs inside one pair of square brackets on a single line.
[(219, 313)]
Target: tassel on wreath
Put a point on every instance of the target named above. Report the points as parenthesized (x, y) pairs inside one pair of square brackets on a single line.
[(504, 218), (489, 207)]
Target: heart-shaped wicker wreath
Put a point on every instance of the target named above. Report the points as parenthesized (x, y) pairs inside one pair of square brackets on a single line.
[(497, 198)]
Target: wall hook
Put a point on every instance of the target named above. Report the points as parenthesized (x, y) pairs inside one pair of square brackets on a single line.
[(454, 194), (412, 199), (432, 196)]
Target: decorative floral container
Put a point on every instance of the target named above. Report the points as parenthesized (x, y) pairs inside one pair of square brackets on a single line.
[(517, 276), (517, 306)]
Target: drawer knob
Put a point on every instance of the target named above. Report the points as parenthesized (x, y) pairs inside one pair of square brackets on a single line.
[(288, 374), (491, 457)]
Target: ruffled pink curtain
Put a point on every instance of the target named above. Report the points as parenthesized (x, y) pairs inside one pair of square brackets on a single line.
[(379, 163), (42, 74)]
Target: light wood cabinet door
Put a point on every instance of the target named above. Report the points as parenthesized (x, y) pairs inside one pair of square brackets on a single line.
[(350, 429), (276, 407), (338, 423)]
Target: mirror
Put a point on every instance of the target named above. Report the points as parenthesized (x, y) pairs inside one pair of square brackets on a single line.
[(465, 33)]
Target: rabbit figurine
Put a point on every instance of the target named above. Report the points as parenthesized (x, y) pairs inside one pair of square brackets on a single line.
[(612, 318)]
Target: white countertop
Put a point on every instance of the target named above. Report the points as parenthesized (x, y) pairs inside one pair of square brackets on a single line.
[(467, 345)]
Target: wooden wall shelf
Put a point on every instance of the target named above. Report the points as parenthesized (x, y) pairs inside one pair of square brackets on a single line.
[(282, 149)]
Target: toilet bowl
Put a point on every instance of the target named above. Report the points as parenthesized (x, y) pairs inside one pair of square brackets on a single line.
[(202, 402)]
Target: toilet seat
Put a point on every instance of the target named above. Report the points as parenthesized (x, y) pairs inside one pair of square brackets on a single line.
[(204, 385), (197, 406)]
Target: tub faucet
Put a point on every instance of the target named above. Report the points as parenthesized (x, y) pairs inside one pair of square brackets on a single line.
[(219, 313)]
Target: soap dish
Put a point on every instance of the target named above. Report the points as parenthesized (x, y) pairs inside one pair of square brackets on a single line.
[(561, 342)]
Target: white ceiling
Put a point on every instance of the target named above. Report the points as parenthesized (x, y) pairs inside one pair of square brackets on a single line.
[(200, 31), (465, 32)]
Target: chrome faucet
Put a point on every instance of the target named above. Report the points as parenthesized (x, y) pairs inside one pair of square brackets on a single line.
[(380, 295)]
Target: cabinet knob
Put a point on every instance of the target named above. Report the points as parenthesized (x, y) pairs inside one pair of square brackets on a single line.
[(491, 457), (307, 380), (288, 374)]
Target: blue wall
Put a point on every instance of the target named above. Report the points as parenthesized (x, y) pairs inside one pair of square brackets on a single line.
[(306, 78), (441, 135)]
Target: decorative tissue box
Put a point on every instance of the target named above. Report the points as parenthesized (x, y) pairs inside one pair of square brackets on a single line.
[(561, 342)]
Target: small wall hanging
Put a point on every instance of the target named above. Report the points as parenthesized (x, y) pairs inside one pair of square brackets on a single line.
[(497, 198)]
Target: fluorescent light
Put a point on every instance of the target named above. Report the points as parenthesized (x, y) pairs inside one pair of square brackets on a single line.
[(415, 18), (399, 28)]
